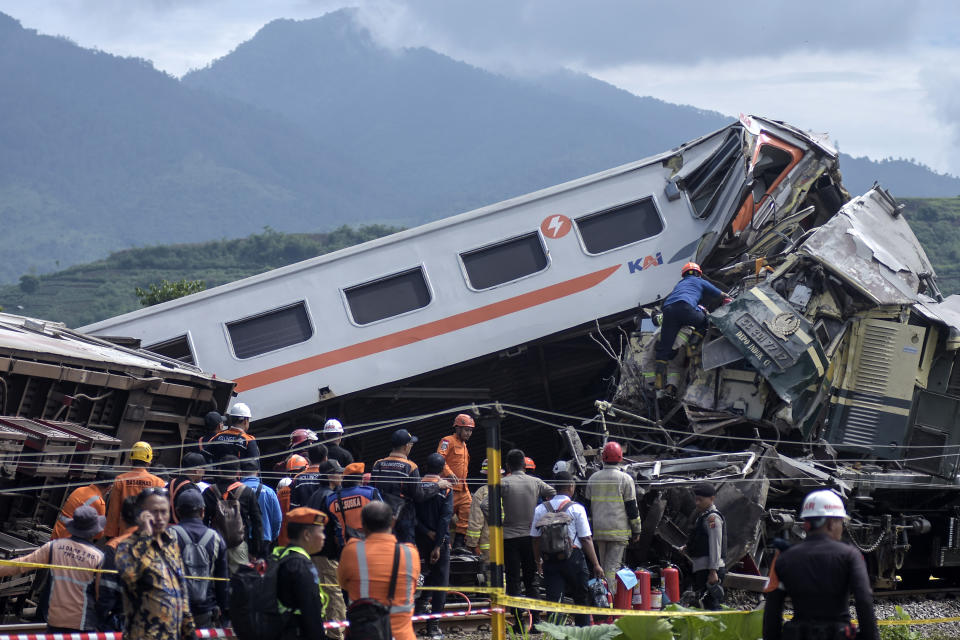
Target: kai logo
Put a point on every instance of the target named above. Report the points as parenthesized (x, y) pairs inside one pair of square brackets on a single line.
[(647, 262)]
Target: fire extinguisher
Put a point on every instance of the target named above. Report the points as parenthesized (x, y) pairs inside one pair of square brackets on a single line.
[(641, 592), (623, 598), (671, 580)]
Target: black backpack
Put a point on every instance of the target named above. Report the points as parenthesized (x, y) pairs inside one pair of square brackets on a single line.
[(370, 619), (227, 517), (254, 609), (197, 562)]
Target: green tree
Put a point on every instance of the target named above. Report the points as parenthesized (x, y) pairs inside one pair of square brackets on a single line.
[(165, 291), (29, 283)]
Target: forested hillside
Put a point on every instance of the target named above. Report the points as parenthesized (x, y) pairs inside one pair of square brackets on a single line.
[(307, 126), (86, 293), (936, 222)]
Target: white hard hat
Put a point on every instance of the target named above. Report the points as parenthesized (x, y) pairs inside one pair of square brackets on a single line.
[(332, 426), (560, 466), (239, 410), (823, 504), (284, 482)]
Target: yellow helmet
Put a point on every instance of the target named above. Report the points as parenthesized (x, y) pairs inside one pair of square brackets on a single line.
[(142, 451)]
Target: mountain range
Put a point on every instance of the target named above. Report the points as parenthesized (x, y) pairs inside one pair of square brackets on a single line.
[(308, 125)]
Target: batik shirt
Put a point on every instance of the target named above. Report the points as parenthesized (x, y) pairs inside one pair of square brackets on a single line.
[(154, 589)]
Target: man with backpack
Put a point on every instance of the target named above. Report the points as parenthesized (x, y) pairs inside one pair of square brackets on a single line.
[(327, 560), (563, 545), (380, 577), (235, 497), (204, 554), (192, 473), (268, 501)]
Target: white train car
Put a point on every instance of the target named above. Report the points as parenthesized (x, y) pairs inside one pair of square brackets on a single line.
[(486, 280)]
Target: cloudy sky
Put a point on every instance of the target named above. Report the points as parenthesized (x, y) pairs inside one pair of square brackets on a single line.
[(883, 78)]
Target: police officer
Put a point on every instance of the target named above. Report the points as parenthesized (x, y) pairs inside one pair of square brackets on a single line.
[(682, 307), (707, 546), (819, 574)]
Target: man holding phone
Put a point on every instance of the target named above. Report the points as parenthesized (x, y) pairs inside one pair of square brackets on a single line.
[(151, 571)]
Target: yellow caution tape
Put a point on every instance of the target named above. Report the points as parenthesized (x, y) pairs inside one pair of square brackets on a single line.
[(542, 605), (41, 565), (919, 621)]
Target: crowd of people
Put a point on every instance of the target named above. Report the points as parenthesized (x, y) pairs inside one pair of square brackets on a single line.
[(157, 558)]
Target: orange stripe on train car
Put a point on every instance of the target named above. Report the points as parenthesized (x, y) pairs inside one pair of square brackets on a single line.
[(424, 331)]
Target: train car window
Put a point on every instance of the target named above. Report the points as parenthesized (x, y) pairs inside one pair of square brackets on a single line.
[(505, 261), (176, 348), (706, 182), (620, 226), (388, 297), (270, 331)]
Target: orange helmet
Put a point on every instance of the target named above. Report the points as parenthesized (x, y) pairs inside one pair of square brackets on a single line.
[(529, 464), (691, 266), (465, 421), (612, 452), (296, 463)]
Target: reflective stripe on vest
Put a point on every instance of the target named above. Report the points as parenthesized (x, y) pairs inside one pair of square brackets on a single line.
[(365, 575), (323, 596)]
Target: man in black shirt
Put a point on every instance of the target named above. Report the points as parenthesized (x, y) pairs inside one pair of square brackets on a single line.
[(298, 585), (819, 574), (310, 479), (433, 542)]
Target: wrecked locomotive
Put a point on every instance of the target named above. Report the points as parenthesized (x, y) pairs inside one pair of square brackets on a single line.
[(836, 364)]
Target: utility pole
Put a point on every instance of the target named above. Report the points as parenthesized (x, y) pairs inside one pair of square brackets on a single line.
[(491, 424)]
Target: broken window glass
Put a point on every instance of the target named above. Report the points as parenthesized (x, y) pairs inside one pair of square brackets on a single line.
[(706, 182), (270, 331)]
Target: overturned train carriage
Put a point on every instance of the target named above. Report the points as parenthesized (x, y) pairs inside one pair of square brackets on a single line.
[(835, 365)]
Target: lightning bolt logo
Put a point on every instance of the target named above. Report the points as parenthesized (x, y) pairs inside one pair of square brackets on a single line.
[(556, 226)]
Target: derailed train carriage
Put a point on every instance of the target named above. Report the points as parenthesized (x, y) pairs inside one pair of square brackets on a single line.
[(836, 365)]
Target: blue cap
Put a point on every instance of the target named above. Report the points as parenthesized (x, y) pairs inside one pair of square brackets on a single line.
[(401, 437)]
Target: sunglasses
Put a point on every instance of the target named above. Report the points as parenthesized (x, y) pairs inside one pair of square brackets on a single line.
[(153, 491)]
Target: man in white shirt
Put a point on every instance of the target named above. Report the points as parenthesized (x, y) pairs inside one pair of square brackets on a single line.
[(565, 572)]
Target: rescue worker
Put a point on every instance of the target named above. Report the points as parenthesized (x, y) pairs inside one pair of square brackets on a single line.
[(88, 496), (73, 591), (818, 575), (454, 450), (333, 436), (567, 575), (235, 439), (130, 483), (478, 537), (310, 479), (298, 585), (397, 478), (519, 494), (681, 308), (346, 504), (300, 439), (611, 498), (433, 542), (707, 547), (110, 613), (294, 465), (328, 559), (373, 557), (213, 421)]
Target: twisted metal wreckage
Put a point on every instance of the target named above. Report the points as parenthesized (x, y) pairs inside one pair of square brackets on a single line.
[(835, 365)]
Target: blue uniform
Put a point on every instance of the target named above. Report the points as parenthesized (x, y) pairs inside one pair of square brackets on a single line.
[(681, 308)]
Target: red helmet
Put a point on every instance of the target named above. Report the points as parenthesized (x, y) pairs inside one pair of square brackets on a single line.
[(465, 421), (691, 266), (296, 463), (612, 452), (529, 464), (299, 436)]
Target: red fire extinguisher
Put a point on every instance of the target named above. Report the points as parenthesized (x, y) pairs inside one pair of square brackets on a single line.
[(641, 592), (671, 580), (623, 598)]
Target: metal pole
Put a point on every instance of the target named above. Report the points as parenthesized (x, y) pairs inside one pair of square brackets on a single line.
[(491, 424)]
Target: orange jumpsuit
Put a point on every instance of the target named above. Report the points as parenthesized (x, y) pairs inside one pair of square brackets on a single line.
[(458, 461), (89, 496), (127, 484)]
